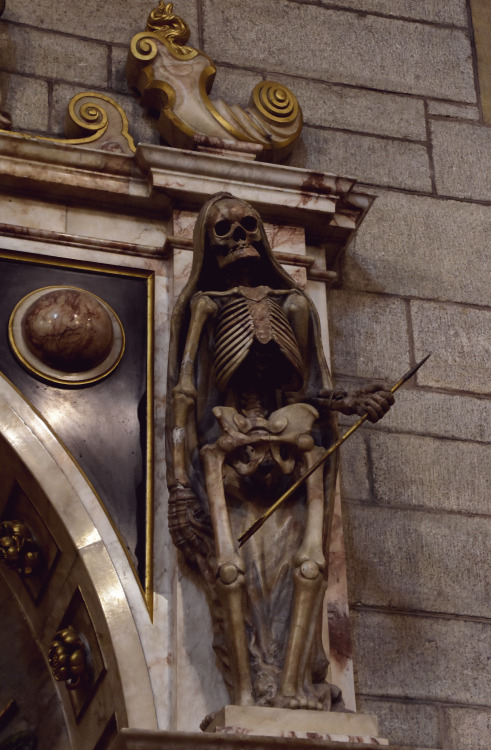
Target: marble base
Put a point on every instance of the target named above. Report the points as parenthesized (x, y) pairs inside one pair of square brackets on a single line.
[(136, 739), (301, 724)]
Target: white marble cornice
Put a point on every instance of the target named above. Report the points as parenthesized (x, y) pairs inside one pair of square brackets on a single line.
[(158, 178), (66, 172), (315, 200)]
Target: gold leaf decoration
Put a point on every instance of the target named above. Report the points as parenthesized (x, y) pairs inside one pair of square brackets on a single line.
[(172, 29), (95, 117), (143, 47), (86, 115), (95, 121)]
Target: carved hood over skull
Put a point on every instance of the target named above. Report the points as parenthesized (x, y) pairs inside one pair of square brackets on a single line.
[(228, 229)]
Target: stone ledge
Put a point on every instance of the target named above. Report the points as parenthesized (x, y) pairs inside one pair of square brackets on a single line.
[(326, 203), (274, 721), (136, 739)]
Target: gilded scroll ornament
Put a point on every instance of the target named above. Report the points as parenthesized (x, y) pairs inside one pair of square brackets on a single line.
[(67, 656), (252, 409), (95, 121), (18, 550), (175, 80)]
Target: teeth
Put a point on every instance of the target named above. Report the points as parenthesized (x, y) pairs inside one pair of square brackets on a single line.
[(242, 245)]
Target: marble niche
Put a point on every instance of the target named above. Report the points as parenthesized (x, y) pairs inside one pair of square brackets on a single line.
[(131, 216)]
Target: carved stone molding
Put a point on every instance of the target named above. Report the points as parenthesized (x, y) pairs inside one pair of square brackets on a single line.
[(176, 79), (329, 206), (67, 170), (133, 739), (156, 178)]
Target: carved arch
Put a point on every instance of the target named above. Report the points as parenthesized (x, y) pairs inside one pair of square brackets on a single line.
[(85, 564)]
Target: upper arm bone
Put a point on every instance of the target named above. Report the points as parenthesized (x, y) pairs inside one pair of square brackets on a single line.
[(202, 307)]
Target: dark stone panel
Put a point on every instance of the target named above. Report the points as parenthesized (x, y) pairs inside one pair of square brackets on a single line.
[(102, 424), (27, 681)]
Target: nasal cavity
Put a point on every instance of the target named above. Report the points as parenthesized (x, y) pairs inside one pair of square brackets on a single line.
[(239, 233)]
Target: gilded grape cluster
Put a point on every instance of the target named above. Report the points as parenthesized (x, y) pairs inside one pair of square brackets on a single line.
[(67, 658), (18, 550)]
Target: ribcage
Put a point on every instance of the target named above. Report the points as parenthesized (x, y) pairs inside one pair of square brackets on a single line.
[(244, 322)]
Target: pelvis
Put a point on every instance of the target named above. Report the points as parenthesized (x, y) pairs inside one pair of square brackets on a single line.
[(255, 444)]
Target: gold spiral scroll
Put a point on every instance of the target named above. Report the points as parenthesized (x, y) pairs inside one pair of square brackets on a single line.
[(275, 102), (144, 47), (92, 120), (86, 114), (95, 117)]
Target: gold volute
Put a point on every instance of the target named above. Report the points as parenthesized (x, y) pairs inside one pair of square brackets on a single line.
[(172, 30), (92, 120)]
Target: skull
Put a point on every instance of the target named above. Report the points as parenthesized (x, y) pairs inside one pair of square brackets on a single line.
[(234, 231)]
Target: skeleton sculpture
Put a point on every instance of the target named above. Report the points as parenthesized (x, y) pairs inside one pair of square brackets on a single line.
[(252, 408)]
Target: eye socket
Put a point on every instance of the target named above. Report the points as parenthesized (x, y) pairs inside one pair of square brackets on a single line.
[(222, 227), (249, 223)]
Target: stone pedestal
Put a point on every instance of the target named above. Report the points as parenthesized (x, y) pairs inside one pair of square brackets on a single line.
[(134, 739), (299, 724)]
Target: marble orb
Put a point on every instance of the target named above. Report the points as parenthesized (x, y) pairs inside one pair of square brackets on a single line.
[(68, 330), (66, 335)]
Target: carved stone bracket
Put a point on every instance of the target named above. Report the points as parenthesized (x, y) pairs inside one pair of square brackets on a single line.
[(97, 120), (92, 121), (176, 79)]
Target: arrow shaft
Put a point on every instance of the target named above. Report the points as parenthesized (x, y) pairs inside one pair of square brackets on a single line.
[(259, 522)]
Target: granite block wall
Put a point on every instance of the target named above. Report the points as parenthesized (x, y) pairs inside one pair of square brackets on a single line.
[(391, 93)]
